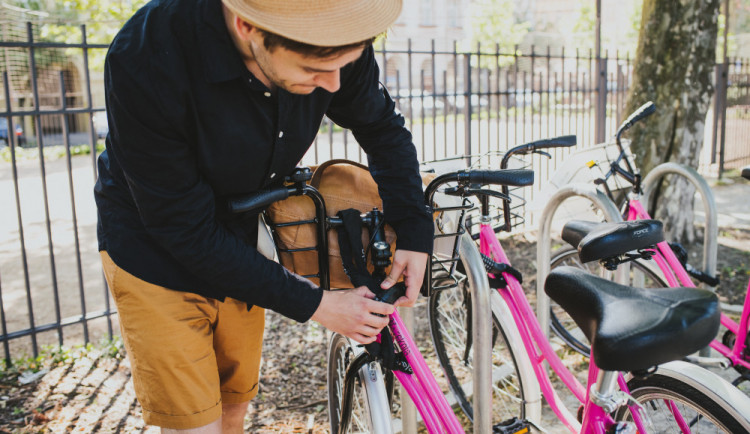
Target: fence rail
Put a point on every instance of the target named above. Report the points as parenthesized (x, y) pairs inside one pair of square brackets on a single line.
[(457, 103)]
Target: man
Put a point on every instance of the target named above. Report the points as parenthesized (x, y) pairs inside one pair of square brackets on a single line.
[(207, 101)]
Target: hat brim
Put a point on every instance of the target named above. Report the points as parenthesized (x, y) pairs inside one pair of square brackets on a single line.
[(323, 23)]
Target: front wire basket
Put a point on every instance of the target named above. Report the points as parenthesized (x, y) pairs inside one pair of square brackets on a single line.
[(454, 217)]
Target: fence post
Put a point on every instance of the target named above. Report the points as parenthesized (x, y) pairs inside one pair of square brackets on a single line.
[(467, 107), (600, 125), (720, 105), (723, 92)]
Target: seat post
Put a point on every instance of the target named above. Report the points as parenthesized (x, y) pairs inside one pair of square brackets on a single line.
[(602, 394)]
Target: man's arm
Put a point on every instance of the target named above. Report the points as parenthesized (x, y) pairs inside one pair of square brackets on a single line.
[(366, 108), (150, 143)]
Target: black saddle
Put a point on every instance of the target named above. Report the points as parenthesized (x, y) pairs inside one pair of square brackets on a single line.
[(596, 240), (634, 329), (746, 172)]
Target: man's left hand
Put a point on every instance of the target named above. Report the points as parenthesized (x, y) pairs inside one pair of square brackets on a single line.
[(412, 266)]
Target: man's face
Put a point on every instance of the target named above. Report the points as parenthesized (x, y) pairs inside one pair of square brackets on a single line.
[(301, 74)]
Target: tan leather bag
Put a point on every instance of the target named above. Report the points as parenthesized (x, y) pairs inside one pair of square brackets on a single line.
[(343, 184)]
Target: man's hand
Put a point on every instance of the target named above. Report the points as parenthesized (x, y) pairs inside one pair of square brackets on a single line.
[(412, 266), (352, 313)]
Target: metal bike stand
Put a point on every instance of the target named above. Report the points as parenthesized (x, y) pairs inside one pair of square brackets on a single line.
[(710, 234), (408, 409), (481, 322), (543, 253), (710, 242)]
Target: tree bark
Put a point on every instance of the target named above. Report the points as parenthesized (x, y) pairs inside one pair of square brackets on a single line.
[(674, 67)]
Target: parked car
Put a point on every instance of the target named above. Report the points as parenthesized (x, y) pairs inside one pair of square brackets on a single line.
[(419, 102), (4, 140), (101, 127)]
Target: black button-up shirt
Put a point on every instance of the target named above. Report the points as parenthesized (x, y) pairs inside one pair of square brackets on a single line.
[(190, 126)]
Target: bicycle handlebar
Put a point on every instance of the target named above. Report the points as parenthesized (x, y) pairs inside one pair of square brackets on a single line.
[(537, 146), (511, 177), (258, 200), (643, 111)]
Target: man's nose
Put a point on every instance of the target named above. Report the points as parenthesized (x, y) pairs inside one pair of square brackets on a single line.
[(330, 81)]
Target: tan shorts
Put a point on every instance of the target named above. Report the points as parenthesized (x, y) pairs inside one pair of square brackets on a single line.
[(188, 354)]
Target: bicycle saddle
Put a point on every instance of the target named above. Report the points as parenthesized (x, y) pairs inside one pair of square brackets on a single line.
[(596, 240), (634, 329)]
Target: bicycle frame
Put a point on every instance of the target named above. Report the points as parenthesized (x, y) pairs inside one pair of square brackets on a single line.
[(539, 350), (676, 275), (421, 386)]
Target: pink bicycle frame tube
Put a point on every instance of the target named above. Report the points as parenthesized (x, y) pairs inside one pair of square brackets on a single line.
[(531, 333), (669, 264), (425, 387)]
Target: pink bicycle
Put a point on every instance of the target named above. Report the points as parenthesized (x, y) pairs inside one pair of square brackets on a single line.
[(633, 330), (671, 260), (360, 379)]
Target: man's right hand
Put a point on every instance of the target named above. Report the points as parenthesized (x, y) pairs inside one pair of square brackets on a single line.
[(352, 313)]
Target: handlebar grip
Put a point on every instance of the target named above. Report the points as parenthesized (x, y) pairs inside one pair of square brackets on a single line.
[(258, 200), (509, 177), (555, 142), (643, 111), (392, 294)]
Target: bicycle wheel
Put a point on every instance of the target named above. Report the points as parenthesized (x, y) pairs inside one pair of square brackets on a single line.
[(562, 325), (701, 413), (449, 314), (370, 406)]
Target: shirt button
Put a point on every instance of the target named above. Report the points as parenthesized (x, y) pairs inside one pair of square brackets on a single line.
[(272, 175), (249, 80), (281, 134), (267, 94)]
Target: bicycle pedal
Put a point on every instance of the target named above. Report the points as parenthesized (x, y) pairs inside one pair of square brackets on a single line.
[(511, 426)]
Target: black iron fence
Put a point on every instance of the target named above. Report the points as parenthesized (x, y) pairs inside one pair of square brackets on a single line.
[(456, 102)]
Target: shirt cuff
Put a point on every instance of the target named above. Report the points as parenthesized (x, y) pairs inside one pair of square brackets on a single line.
[(415, 233), (300, 300)]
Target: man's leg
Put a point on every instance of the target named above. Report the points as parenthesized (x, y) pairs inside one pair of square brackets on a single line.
[(212, 428), (233, 417), (238, 340), (231, 422), (170, 344)]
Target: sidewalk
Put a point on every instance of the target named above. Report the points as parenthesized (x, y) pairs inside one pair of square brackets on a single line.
[(732, 197)]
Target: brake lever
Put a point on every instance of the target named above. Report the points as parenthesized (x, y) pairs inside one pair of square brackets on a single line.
[(543, 153), (481, 192)]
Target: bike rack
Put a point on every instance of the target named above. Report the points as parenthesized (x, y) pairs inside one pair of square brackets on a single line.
[(481, 322), (710, 234), (543, 250), (710, 242)]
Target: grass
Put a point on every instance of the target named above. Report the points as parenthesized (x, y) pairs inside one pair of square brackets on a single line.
[(50, 152), (51, 356)]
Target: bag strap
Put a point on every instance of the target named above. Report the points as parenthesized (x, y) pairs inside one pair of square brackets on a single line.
[(352, 252), (315, 181), (353, 257)]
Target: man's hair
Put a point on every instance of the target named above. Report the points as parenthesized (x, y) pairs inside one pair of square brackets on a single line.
[(272, 40)]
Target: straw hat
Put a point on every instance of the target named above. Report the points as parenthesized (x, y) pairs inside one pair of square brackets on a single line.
[(323, 23)]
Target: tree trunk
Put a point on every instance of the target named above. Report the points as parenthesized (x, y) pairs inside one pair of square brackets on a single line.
[(674, 68)]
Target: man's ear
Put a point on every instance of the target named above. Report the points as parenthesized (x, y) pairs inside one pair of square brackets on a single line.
[(243, 28)]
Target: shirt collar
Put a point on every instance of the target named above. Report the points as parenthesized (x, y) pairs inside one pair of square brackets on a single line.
[(221, 61)]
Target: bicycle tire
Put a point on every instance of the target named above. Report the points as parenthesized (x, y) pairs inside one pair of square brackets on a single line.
[(449, 312), (703, 413), (562, 325), (365, 402)]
